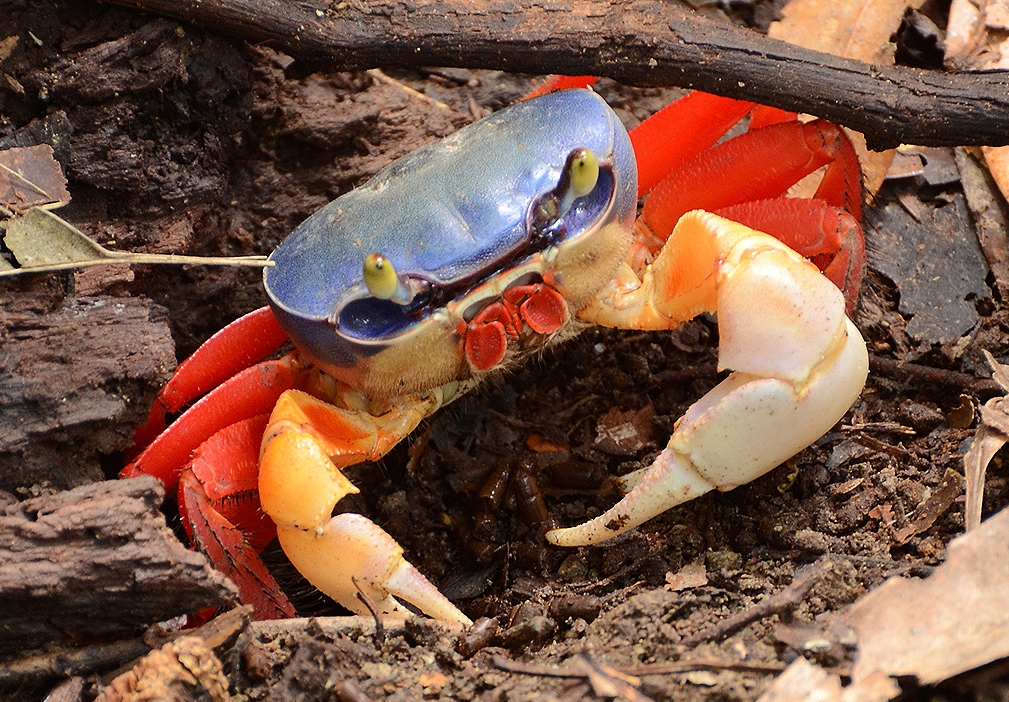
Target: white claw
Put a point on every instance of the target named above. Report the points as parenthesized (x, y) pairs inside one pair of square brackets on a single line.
[(355, 556), (800, 364), (741, 429)]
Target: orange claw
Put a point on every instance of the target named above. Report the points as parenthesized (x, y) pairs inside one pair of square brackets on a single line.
[(798, 363), (307, 443)]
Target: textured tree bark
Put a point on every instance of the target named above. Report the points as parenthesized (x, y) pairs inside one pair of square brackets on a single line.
[(638, 42), (75, 376), (96, 561)]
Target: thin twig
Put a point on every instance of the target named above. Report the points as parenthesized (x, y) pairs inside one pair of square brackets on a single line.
[(785, 599), (416, 94), (638, 42), (704, 664), (961, 381), (379, 625), (667, 668)]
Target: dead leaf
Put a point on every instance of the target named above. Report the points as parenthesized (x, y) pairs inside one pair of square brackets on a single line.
[(996, 15), (40, 239), (42, 242), (961, 31), (688, 577), (802, 682), (31, 177), (857, 29), (961, 416), (997, 158), (954, 621), (625, 433), (936, 505), (969, 45), (936, 264)]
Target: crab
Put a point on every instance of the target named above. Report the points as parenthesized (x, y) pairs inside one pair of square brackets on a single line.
[(472, 254)]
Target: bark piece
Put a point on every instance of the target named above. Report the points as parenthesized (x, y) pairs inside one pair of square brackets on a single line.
[(138, 63), (75, 376), (637, 42), (96, 561)]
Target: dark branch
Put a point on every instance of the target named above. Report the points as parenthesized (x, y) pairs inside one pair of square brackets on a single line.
[(637, 42)]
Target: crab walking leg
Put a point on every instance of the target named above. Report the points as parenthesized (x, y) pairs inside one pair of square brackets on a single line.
[(798, 363), (307, 444), (241, 344)]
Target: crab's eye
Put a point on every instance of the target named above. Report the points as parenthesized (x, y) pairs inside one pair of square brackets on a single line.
[(583, 170), (382, 281)]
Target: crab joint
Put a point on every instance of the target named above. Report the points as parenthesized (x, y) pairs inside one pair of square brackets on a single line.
[(382, 280)]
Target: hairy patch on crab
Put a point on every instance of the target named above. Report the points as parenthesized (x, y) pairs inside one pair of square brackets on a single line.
[(429, 357), (585, 266)]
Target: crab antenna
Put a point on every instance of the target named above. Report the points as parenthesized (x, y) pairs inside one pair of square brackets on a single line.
[(382, 280), (580, 175)]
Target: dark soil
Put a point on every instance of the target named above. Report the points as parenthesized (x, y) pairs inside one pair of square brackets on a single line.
[(178, 141)]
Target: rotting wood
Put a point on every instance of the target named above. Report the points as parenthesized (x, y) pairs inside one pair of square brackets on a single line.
[(75, 376), (637, 42), (96, 561)]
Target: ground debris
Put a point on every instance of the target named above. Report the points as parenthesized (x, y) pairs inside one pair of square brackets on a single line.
[(185, 670), (955, 620), (75, 376), (98, 549), (936, 263)]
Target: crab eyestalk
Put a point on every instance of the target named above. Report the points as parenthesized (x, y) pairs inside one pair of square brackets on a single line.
[(579, 178), (383, 282)]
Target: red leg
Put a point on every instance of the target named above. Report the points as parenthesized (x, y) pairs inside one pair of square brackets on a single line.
[(219, 505), (842, 181), (561, 83), (242, 343), (764, 116), (679, 132), (753, 166), (253, 391), (827, 235)]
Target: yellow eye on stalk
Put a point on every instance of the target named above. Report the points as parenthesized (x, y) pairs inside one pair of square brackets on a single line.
[(584, 172), (581, 171), (382, 281)]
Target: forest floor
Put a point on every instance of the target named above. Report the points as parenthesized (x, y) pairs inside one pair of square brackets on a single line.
[(191, 143)]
